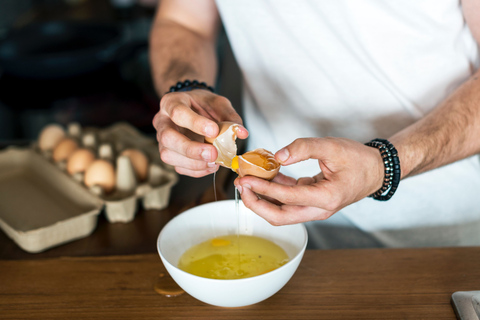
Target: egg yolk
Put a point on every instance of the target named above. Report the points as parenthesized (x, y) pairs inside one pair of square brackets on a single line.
[(259, 160), (235, 163)]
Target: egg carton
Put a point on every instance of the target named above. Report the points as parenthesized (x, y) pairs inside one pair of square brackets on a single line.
[(40, 207), (122, 203)]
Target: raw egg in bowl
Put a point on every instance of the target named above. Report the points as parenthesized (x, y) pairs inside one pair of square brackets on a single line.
[(218, 220)]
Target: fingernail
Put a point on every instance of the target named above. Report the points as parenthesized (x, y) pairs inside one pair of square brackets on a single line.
[(206, 155), (211, 164), (240, 189), (209, 131), (213, 169), (246, 185), (283, 155)]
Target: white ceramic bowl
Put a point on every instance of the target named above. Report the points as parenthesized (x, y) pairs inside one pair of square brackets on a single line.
[(220, 218)]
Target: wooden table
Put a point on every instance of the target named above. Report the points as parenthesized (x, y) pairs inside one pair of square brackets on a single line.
[(333, 284), (111, 274)]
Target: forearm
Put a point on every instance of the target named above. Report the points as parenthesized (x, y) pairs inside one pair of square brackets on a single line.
[(178, 53), (448, 133)]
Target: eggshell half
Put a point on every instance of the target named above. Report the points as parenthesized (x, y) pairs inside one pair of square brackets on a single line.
[(225, 143), (268, 170)]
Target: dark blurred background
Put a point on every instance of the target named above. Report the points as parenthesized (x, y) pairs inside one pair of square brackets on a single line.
[(82, 61)]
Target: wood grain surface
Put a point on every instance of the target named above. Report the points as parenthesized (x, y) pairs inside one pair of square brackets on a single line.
[(331, 284)]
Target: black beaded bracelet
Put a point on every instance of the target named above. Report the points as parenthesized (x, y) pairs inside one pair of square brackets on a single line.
[(392, 169), (188, 85)]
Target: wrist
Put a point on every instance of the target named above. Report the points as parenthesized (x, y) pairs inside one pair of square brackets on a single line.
[(189, 85), (409, 157), (392, 171)]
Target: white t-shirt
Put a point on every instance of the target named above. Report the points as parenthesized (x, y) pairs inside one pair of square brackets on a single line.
[(361, 69)]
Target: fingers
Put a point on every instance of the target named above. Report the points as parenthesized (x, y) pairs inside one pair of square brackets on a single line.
[(310, 148), (199, 111), (197, 173), (283, 179), (304, 195), (188, 157), (242, 133), (170, 138), (178, 108), (305, 181), (282, 214), (221, 109), (183, 117), (350, 171)]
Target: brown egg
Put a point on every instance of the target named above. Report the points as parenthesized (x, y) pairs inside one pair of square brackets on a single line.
[(100, 173), (259, 163), (80, 160), (50, 136), (225, 143), (139, 162), (64, 149)]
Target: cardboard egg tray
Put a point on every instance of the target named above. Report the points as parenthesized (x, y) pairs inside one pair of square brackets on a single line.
[(42, 206)]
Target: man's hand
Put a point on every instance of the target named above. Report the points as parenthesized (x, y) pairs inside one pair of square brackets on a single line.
[(350, 171), (182, 122)]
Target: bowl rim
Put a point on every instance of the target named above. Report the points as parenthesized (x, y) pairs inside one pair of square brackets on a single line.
[(297, 256)]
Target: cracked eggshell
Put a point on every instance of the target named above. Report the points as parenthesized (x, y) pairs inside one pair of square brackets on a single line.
[(225, 143), (259, 163)]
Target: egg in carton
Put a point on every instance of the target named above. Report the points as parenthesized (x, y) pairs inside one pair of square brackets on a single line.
[(57, 144), (154, 178), (135, 177), (118, 164)]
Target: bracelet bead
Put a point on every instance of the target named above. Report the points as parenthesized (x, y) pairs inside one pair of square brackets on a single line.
[(392, 169), (188, 85)]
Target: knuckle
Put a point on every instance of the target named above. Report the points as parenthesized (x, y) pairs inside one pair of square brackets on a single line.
[(191, 152), (222, 100), (330, 206), (275, 221), (164, 155), (167, 99), (177, 113), (198, 123), (164, 137), (289, 195), (155, 120), (334, 204)]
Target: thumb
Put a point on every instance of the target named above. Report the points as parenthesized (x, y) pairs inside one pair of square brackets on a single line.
[(299, 150)]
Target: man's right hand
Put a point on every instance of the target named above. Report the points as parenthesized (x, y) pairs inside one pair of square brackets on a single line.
[(182, 122)]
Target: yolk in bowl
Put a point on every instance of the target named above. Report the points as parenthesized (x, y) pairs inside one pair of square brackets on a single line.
[(233, 257)]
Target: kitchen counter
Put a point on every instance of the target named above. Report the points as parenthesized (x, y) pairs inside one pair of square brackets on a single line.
[(330, 284)]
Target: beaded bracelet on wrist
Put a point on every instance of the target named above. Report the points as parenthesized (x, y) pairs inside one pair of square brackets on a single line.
[(392, 169), (188, 85)]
